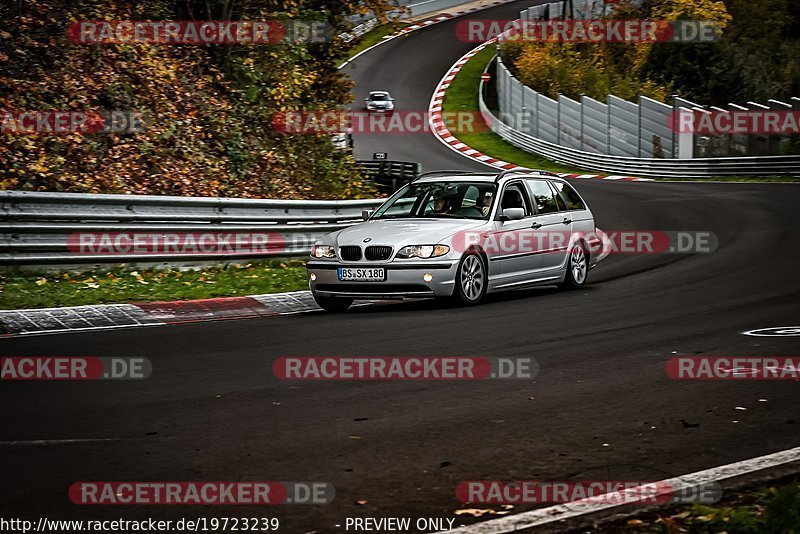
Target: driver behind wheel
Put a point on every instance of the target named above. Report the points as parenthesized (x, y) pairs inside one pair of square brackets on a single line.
[(484, 202), (439, 202)]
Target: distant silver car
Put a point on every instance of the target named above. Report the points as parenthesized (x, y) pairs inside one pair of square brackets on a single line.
[(379, 101), (459, 235)]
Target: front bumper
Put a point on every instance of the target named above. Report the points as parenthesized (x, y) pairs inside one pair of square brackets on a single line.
[(403, 280)]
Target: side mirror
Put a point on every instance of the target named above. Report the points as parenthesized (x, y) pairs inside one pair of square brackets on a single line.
[(513, 214), (366, 214), (366, 99)]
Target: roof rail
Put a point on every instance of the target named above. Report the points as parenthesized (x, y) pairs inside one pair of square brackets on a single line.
[(445, 172), (523, 170)]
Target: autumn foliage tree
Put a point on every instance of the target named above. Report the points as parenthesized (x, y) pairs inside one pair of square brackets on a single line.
[(757, 56), (208, 109)]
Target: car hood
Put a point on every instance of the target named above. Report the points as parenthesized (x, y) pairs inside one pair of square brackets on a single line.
[(402, 232), (380, 102)]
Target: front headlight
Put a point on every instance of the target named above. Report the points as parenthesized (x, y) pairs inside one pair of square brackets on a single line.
[(423, 251), (322, 251)]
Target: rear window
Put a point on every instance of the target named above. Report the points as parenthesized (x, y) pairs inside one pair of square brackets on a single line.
[(543, 197), (569, 195)]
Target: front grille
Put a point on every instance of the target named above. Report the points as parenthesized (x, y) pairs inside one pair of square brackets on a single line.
[(378, 252), (350, 252)]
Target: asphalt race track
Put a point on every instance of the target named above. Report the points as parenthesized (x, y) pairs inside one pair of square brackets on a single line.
[(601, 407)]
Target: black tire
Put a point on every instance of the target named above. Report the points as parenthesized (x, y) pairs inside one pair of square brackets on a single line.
[(333, 304), (577, 268), (472, 280)]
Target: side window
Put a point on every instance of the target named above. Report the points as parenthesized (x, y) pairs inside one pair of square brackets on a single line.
[(543, 196), (514, 196), (569, 195)]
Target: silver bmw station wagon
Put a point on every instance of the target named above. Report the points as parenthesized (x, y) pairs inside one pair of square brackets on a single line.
[(459, 235)]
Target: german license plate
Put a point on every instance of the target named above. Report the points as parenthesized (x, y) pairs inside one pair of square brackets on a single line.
[(362, 274)]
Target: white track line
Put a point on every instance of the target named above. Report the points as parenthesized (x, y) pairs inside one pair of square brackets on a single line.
[(553, 514), (435, 108)]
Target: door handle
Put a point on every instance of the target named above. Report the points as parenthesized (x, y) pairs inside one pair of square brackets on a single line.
[(566, 221), (536, 225)]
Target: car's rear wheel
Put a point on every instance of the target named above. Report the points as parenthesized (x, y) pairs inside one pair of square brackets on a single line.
[(577, 268), (471, 279), (333, 304)]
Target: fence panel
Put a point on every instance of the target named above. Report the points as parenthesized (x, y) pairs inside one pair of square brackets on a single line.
[(555, 10), (503, 84), (595, 126), (547, 122), (530, 125), (570, 122), (656, 132), (516, 103), (623, 121)]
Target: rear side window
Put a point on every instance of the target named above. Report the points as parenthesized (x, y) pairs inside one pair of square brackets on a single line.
[(569, 195), (543, 196)]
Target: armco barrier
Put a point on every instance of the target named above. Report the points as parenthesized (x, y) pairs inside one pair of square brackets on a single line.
[(34, 227)]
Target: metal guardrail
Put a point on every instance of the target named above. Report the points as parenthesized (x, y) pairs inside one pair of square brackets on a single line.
[(359, 30), (651, 167), (37, 228)]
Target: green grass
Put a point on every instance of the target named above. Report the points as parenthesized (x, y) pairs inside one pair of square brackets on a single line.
[(462, 95), (121, 284), (773, 509), (374, 36)]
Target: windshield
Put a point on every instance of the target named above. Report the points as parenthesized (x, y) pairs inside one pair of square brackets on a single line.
[(451, 200), (379, 96)]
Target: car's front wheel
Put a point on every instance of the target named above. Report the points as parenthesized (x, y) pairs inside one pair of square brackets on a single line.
[(471, 279), (333, 304), (577, 268)]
